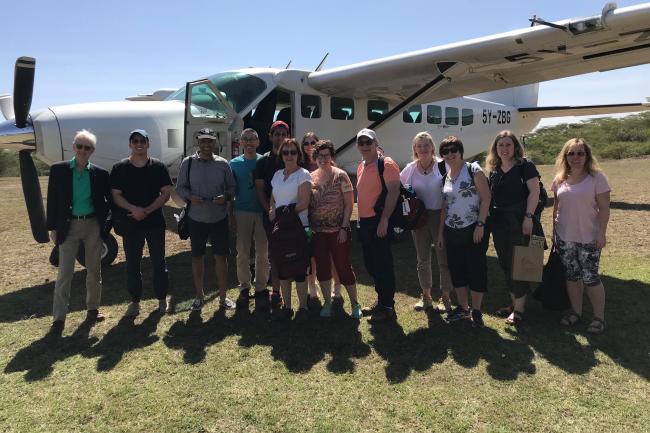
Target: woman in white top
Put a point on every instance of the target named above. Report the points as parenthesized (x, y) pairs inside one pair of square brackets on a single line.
[(466, 200), (292, 186), (424, 176)]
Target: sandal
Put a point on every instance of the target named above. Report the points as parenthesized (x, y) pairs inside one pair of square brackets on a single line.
[(515, 318), (505, 311), (570, 319), (597, 326)]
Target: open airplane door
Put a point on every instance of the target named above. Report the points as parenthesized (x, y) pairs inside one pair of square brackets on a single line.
[(207, 107)]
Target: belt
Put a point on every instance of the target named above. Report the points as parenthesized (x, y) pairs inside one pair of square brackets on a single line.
[(83, 217)]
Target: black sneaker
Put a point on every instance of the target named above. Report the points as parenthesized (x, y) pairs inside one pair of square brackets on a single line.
[(302, 315), (313, 304), (281, 314), (370, 310), (383, 314), (458, 313), (477, 319), (337, 303), (276, 299), (262, 302), (243, 300)]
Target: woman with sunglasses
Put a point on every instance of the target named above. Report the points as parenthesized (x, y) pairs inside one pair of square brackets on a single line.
[(329, 213), (291, 192), (514, 186), (466, 200), (580, 217), (424, 175)]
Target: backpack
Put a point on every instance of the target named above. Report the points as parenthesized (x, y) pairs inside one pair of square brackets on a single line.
[(409, 213), (443, 169), (288, 243), (543, 194)]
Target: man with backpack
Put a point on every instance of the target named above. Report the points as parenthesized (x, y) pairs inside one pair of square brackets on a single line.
[(375, 204)]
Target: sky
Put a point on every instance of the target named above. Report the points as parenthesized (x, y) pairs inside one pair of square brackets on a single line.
[(101, 51)]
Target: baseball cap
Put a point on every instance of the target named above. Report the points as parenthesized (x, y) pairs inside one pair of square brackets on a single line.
[(367, 133), (206, 133), (279, 124), (139, 131)]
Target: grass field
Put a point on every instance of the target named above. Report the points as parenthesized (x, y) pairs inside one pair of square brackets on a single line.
[(239, 373)]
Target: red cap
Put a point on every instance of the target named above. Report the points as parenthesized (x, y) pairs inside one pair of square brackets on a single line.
[(279, 124)]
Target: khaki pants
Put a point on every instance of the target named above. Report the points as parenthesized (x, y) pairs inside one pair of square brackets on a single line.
[(249, 229), (423, 238), (86, 231)]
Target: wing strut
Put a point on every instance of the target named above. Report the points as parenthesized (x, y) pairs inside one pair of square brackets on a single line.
[(439, 80)]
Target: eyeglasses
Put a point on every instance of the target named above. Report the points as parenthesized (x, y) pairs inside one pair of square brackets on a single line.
[(577, 153), (364, 142), (323, 155), (139, 140), (85, 147), (450, 149), (289, 152), (311, 143), (249, 139)]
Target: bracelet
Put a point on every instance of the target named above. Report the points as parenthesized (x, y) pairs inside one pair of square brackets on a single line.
[(480, 223), (347, 229), (528, 215)]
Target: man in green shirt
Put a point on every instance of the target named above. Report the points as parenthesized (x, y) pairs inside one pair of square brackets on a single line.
[(78, 200)]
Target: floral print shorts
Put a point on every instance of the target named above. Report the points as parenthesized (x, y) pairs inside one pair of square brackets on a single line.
[(580, 260)]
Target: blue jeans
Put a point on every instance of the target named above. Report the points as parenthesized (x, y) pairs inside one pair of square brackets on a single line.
[(133, 245)]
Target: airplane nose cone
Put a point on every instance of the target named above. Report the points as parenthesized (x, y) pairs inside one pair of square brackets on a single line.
[(12, 137)]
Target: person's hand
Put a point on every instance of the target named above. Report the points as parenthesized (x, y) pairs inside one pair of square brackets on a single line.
[(138, 213), (601, 241), (382, 227), (343, 236), (220, 199), (53, 236), (441, 242), (527, 226), (232, 222), (195, 199), (478, 234), (271, 214)]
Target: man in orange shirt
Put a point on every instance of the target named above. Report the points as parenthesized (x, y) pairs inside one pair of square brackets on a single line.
[(375, 229)]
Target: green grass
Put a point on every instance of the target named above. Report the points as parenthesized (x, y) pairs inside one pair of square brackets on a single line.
[(232, 373)]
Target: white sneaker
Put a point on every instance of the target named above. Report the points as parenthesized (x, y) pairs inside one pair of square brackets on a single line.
[(197, 305), (227, 304), (133, 309)]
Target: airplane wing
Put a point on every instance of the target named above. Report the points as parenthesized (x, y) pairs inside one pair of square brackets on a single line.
[(584, 110), (617, 38)]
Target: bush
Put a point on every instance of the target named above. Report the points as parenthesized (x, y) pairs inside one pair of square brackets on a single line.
[(10, 167)]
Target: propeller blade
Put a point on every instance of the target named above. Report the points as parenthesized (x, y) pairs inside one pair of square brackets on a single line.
[(23, 89), (33, 196)]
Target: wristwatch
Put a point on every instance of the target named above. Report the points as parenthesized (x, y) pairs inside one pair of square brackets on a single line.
[(528, 215), (480, 223)]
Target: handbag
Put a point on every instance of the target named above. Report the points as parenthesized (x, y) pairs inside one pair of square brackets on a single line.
[(552, 291), (183, 219)]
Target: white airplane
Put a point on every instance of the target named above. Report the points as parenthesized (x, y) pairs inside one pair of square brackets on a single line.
[(471, 89)]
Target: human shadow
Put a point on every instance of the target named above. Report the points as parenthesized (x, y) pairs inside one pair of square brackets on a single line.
[(621, 205), (124, 337), (38, 359)]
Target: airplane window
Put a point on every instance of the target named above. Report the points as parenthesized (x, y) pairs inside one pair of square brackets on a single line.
[(342, 108), (413, 114), (239, 89), (310, 106), (468, 116), (376, 109), (206, 104), (434, 114), (451, 115)]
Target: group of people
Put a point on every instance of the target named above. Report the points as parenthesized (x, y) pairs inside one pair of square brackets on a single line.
[(292, 206)]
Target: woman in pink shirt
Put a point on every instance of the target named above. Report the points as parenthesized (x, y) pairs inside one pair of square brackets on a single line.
[(580, 217)]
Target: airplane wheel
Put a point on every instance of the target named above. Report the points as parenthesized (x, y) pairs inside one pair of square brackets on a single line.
[(109, 252)]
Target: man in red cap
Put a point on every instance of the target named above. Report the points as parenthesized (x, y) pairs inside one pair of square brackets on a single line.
[(265, 168)]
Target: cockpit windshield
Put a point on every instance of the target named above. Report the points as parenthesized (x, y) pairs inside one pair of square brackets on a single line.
[(238, 88)]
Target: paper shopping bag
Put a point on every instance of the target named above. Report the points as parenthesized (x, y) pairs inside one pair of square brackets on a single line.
[(528, 262)]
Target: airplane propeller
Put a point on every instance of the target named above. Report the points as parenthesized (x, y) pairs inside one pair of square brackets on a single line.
[(22, 99)]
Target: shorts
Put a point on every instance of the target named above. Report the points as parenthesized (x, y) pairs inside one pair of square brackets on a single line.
[(216, 233), (580, 260)]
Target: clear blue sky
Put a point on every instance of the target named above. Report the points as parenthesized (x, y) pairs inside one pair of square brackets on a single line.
[(101, 51)]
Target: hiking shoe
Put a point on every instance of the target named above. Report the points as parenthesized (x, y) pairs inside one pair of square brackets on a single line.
[(281, 314), (262, 302), (443, 306), (227, 304), (57, 327), (313, 303), (162, 306), (243, 300), (372, 309), (133, 309), (302, 315), (423, 304), (95, 316), (458, 313), (326, 311), (356, 311), (197, 304), (337, 303), (276, 299), (477, 319), (383, 314)]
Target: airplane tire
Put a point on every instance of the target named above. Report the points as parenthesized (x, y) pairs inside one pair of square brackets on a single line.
[(109, 252)]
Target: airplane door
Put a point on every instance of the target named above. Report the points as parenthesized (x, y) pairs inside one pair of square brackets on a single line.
[(206, 107)]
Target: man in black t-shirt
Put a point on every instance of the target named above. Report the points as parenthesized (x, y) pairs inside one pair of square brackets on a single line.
[(265, 168), (141, 186)]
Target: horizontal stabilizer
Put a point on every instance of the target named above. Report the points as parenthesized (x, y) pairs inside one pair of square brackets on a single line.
[(584, 110)]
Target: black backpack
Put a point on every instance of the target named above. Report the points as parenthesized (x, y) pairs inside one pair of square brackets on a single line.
[(288, 243)]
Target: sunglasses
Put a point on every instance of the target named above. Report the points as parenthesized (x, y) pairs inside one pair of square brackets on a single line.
[(577, 153), (289, 152), (85, 147), (280, 134), (450, 149), (249, 139), (139, 140), (364, 142), (311, 143)]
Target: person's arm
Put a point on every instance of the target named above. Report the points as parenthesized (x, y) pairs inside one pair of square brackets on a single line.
[(271, 208), (52, 205), (531, 205), (441, 226), (182, 185), (135, 212), (165, 192), (348, 204), (304, 195), (484, 194), (391, 201), (261, 194), (554, 188), (602, 201)]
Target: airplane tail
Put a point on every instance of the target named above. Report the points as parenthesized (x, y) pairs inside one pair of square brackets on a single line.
[(522, 96)]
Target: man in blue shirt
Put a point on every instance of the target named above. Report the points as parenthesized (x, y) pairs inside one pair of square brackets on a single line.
[(248, 215)]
